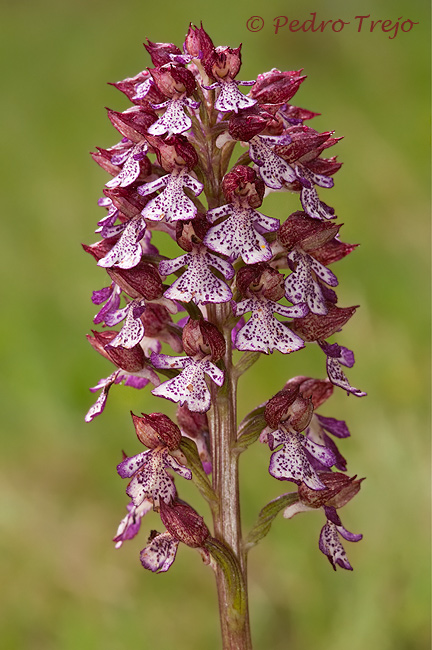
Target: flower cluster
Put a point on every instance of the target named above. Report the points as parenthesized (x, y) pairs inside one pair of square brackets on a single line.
[(242, 281)]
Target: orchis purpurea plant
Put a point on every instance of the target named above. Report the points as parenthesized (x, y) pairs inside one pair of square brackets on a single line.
[(243, 283)]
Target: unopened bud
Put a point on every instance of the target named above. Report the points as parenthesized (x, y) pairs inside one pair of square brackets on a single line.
[(314, 327), (198, 43), (134, 122), (160, 52), (276, 87), (157, 429), (184, 523), (142, 281), (304, 231), (200, 337), (131, 360), (246, 124)]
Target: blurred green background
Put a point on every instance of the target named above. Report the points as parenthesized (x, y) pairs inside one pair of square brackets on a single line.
[(64, 586)]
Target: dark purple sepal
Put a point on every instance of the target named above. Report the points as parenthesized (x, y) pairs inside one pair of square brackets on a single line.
[(184, 523), (132, 123), (276, 87), (309, 234), (333, 251), (160, 52), (156, 429), (313, 327), (142, 281)]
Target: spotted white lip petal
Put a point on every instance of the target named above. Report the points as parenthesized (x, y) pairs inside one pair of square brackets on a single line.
[(274, 171), (290, 463), (99, 405), (231, 99), (236, 237), (338, 377), (151, 480), (189, 387), (128, 467), (174, 120), (323, 272), (301, 287), (131, 168), (166, 267), (198, 283), (132, 331), (126, 253), (172, 204), (313, 206), (264, 333), (330, 545), (160, 553)]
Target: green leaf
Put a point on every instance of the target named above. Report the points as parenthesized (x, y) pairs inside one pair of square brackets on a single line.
[(247, 360), (191, 308), (228, 563), (199, 477), (250, 428), (266, 516)]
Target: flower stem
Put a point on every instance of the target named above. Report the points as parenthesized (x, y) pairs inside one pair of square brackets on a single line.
[(234, 618)]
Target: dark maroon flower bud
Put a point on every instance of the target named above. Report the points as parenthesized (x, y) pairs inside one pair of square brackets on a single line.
[(174, 152), (245, 124), (305, 143), (191, 233), (333, 251), (290, 407), (261, 278), (198, 43), (157, 429), (103, 158), (314, 327), (132, 123), (190, 422), (155, 319), (319, 390), (224, 63), (184, 523), (100, 248), (129, 202), (304, 231), (276, 87), (128, 87), (173, 80), (142, 281), (203, 338), (131, 360), (242, 184), (295, 113), (324, 166), (340, 489), (160, 52)]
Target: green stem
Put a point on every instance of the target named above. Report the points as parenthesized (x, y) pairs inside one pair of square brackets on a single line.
[(235, 626)]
